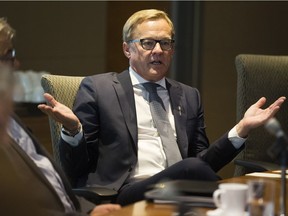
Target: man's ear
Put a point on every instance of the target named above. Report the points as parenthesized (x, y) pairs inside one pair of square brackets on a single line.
[(126, 50)]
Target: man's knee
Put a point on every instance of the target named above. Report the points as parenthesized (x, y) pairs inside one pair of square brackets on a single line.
[(194, 163), (198, 169)]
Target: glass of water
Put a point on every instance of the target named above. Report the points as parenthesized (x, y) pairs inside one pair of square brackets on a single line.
[(261, 195)]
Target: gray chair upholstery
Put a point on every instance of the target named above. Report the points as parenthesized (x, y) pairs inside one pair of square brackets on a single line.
[(257, 76), (64, 90)]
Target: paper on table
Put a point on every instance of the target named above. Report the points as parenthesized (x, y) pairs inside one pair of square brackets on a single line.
[(279, 171), (156, 196), (265, 175)]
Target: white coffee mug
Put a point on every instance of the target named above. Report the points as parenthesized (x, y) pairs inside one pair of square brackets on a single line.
[(231, 198)]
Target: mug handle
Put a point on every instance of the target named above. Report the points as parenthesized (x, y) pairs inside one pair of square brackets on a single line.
[(217, 197)]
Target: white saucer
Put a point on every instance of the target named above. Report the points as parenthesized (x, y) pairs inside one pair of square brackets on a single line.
[(219, 212), (216, 212)]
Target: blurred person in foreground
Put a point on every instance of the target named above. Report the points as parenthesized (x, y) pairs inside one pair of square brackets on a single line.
[(44, 183), (111, 139), (12, 187)]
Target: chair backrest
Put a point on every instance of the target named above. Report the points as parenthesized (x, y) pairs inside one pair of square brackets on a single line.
[(257, 76), (64, 90)]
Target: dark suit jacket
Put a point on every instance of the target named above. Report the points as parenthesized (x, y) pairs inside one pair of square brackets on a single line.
[(40, 191), (106, 108)]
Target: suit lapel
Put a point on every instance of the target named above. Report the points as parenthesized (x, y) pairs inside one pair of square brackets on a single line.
[(178, 106), (124, 90)]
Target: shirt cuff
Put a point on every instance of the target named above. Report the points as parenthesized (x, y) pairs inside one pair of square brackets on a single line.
[(73, 141), (234, 138)]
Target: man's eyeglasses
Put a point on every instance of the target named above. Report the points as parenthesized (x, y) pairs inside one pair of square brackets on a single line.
[(9, 56), (149, 44)]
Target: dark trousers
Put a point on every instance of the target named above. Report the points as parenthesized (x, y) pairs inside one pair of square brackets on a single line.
[(187, 169)]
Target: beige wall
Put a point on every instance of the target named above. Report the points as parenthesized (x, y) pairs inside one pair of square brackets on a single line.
[(72, 37), (59, 37)]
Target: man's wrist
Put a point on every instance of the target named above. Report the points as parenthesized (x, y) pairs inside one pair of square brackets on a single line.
[(242, 130), (235, 139), (72, 133)]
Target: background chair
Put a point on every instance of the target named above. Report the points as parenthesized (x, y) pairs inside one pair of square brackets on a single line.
[(64, 90), (257, 76)]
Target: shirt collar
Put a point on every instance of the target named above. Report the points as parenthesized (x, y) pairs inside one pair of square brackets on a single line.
[(137, 79)]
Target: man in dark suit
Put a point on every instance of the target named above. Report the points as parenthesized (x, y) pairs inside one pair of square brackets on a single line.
[(113, 141), (41, 186)]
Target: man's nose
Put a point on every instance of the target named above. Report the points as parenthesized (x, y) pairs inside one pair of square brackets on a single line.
[(157, 47)]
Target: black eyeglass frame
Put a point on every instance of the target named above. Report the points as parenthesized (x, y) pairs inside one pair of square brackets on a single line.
[(171, 45), (9, 56)]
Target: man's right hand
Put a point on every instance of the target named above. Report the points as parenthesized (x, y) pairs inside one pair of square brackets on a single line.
[(60, 113)]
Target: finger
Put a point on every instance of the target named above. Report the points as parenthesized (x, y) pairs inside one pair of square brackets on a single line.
[(260, 102), (45, 109), (114, 207), (277, 103), (41, 107), (50, 99), (274, 108), (280, 101)]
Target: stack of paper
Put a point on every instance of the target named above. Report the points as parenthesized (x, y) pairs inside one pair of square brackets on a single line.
[(273, 174)]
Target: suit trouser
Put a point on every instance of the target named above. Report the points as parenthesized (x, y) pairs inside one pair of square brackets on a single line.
[(187, 169)]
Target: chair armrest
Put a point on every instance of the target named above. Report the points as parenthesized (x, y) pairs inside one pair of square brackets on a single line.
[(96, 195), (256, 166)]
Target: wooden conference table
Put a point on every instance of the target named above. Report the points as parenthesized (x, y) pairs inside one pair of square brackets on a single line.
[(144, 208)]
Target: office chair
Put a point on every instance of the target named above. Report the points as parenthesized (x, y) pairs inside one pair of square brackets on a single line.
[(64, 90), (258, 76)]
